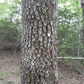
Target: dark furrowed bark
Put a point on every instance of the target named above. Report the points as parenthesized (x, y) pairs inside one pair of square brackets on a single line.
[(39, 42)]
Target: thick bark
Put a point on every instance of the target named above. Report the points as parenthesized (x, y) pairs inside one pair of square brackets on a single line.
[(39, 42)]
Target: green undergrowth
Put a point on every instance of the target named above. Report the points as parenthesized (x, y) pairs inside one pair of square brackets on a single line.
[(60, 75), (8, 74), (73, 65)]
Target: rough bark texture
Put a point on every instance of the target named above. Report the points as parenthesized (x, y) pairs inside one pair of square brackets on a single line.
[(39, 42)]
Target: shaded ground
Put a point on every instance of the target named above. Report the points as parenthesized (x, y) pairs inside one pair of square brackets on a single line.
[(9, 68), (69, 76), (10, 72)]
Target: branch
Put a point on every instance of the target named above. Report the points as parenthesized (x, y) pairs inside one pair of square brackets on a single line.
[(74, 58)]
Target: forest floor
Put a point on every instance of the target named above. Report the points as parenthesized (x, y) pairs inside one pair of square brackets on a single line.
[(10, 71)]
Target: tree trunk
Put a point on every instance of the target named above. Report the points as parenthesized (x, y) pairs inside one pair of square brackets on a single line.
[(39, 42), (82, 4)]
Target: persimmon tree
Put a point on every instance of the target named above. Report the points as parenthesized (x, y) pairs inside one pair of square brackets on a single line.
[(39, 42)]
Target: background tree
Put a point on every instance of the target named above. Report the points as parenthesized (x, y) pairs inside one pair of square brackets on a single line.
[(39, 42), (10, 31), (69, 28), (82, 5)]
